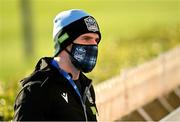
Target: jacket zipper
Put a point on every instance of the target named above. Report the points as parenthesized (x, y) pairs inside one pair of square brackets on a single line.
[(84, 100)]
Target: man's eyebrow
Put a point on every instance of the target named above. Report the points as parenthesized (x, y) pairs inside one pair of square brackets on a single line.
[(89, 37), (86, 37)]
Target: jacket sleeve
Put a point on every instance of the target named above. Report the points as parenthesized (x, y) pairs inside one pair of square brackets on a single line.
[(29, 104)]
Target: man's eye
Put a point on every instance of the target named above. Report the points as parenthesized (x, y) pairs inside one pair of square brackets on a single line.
[(87, 38)]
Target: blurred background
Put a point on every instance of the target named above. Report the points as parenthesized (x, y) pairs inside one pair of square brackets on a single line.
[(133, 32)]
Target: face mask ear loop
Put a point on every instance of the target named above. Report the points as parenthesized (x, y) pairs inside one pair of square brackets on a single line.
[(72, 56), (68, 52)]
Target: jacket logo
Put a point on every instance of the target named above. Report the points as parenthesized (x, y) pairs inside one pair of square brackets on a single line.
[(64, 95), (93, 109)]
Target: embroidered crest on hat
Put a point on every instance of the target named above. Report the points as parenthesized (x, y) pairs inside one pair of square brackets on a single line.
[(91, 24)]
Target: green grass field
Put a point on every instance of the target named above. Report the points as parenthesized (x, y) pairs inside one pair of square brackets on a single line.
[(133, 31)]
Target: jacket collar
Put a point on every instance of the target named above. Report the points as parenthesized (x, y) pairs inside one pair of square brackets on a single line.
[(85, 81), (44, 65)]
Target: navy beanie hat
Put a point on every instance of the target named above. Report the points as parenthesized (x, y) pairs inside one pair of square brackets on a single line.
[(70, 24)]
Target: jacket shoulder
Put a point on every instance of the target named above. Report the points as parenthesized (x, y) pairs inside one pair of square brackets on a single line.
[(28, 103), (31, 85), (27, 90)]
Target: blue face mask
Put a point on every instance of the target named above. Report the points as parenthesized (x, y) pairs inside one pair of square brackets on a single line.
[(84, 57)]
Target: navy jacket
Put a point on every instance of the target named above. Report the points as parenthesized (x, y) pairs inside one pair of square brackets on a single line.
[(48, 95)]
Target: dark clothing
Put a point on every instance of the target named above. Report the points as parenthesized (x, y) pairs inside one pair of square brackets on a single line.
[(48, 95)]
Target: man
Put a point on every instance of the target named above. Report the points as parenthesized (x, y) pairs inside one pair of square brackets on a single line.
[(57, 89)]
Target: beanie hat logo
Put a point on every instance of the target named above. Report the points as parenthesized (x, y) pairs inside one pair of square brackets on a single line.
[(91, 24), (63, 38)]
